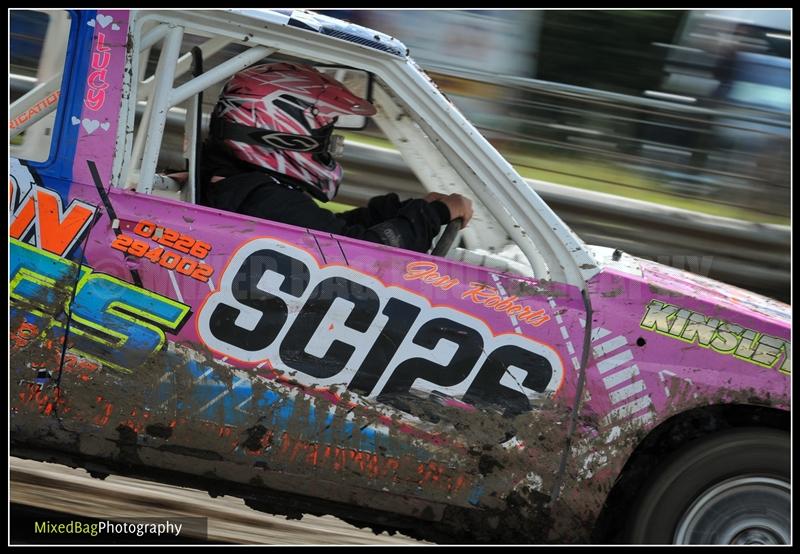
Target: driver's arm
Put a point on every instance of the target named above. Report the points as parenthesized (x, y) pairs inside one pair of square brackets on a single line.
[(383, 212), (411, 225), (384, 208)]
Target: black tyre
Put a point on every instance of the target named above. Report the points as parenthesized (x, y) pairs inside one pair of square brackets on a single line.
[(732, 488)]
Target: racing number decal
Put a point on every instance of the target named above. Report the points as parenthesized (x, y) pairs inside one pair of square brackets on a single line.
[(333, 325), (365, 308), (469, 346), (115, 323), (246, 300), (168, 259)]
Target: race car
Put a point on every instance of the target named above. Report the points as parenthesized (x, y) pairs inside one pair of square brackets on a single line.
[(518, 386)]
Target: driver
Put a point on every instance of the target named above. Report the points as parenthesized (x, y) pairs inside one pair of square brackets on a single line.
[(271, 151)]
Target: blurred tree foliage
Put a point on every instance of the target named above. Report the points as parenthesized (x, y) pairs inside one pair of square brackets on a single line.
[(610, 50)]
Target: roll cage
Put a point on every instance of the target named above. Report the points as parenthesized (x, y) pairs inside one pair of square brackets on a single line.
[(442, 148)]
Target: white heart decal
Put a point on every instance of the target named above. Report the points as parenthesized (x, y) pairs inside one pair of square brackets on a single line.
[(90, 125), (104, 126), (115, 27), (90, 23), (104, 20), (75, 120)]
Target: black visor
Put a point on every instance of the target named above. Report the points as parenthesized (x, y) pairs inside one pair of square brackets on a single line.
[(319, 142)]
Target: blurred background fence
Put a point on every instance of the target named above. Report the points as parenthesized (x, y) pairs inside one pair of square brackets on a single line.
[(686, 110), (683, 108), (682, 115)]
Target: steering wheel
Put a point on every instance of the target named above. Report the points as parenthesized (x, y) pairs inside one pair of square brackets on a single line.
[(448, 238)]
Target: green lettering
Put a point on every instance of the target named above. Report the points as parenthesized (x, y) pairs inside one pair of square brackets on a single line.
[(658, 316), (768, 350), (679, 323), (727, 339), (700, 328), (786, 366), (746, 347)]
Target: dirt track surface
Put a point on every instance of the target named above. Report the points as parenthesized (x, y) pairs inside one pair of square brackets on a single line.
[(73, 491)]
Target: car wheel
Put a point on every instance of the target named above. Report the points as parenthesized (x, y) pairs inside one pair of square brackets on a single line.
[(732, 488)]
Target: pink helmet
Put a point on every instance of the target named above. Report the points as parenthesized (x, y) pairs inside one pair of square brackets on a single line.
[(280, 117)]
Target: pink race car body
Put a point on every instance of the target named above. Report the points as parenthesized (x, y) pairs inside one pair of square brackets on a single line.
[(315, 373)]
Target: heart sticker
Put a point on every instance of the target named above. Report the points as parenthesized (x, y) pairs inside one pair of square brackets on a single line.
[(90, 125), (90, 23), (104, 126), (115, 27), (104, 20), (75, 120)]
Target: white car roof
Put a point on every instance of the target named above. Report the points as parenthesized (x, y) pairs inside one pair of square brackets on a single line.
[(325, 25)]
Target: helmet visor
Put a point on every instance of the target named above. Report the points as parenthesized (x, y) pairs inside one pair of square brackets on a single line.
[(319, 141)]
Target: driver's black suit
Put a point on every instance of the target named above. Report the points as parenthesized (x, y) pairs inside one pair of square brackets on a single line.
[(246, 189)]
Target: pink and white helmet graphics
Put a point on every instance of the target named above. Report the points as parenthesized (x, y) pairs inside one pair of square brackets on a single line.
[(280, 117)]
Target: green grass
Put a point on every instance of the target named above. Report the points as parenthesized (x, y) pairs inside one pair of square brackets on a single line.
[(575, 173), (634, 185)]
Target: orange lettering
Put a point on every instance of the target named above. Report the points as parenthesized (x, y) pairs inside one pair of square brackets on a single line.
[(58, 229), (505, 305), (477, 290), (428, 273), (23, 217), (418, 270)]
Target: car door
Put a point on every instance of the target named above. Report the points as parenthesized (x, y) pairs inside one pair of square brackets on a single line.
[(331, 359)]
